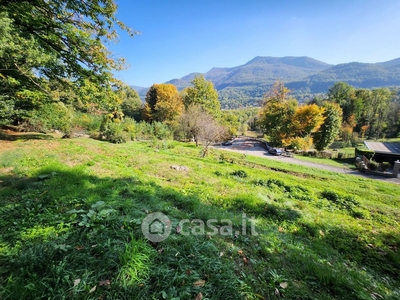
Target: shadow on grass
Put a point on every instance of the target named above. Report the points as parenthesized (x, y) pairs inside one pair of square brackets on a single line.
[(6, 135), (65, 225)]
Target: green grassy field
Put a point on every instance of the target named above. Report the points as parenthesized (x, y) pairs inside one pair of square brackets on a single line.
[(71, 214)]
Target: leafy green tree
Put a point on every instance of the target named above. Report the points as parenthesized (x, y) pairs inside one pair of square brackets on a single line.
[(377, 108), (393, 117), (349, 100), (203, 94), (340, 93), (131, 104), (163, 104), (57, 43), (230, 119), (277, 113), (330, 128)]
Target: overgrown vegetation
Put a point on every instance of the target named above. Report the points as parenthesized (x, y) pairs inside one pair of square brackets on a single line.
[(71, 213)]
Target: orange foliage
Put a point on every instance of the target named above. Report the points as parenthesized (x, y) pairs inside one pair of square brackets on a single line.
[(307, 119)]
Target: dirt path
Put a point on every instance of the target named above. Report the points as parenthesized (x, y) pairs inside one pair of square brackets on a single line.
[(253, 148)]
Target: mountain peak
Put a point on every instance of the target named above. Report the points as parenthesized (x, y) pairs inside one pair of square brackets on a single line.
[(295, 61)]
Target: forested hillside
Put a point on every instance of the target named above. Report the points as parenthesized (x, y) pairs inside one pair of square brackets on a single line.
[(246, 85)]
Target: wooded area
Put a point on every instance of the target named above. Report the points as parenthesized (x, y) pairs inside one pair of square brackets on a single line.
[(57, 74)]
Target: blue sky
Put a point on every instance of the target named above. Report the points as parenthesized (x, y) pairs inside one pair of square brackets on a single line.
[(183, 36)]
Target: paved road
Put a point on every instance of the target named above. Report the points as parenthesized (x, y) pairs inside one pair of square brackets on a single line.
[(254, 148)]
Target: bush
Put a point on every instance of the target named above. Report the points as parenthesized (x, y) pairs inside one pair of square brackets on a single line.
[(225, 157), (130, 127), (367, 153), (89, 122), (331, 196), (384, 166), (51, 116), (311, 153), (161, 131), (239, 173), (373, 165), (324, 154), (146, 131), (111, 128)]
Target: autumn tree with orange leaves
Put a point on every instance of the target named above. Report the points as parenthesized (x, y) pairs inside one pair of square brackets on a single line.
[(287, 123), (163, 104)]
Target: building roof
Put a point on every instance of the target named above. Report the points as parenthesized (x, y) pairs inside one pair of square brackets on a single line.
[(383, 147)]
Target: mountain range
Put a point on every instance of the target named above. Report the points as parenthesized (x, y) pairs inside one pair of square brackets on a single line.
[(246, 84)]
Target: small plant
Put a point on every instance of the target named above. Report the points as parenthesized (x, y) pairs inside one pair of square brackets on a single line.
[(331, 196), (239, 173), (136, 262), (224, 157)]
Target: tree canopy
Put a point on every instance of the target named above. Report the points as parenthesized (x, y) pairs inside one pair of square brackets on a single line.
[(55, 51), (330, 127), (163, 103), (203, 94)]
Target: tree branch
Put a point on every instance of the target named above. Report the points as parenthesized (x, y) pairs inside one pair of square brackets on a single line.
[(31, 79)]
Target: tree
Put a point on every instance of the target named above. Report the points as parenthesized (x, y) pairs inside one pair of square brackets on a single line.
[(163, 103), (393, 117), (131, 104), (350, 101), (277, 93), (277, 113), (201, 127), (230, 119), (57, 43), (211, 132), (377, 108), (191, 122), (204, 95), (330, 128), (307, 119)]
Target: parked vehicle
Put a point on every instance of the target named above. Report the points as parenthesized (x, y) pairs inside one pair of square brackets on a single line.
[(227, 143), (275, 151)]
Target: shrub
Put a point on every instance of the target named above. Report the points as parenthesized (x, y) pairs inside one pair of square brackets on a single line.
[(225, 157), (157, 130), (130, 127), (50, 116), (325, 154), (300, 143), (89, 122), (373, 165), (111, 128), (340, 155), (367, 153), (312, 153), (239, 173), (384, 166), (161, 131), (331, 196)]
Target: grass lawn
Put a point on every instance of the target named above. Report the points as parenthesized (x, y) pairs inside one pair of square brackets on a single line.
[(71, 213), (340, 163)]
